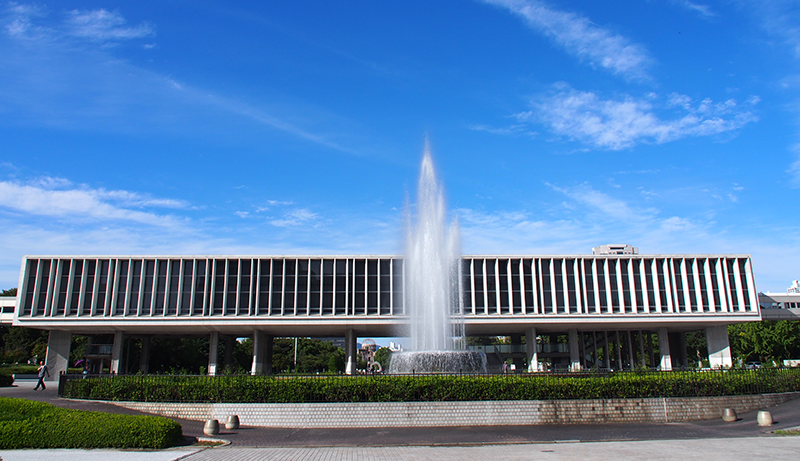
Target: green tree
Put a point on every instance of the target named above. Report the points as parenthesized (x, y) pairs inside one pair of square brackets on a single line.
[(384, 357)]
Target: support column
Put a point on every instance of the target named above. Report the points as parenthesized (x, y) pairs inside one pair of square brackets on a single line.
[(663, 349), (350, 352), (116, 353), (574, 351), (144, 358), (229, 344), (57, 356), (213, 353), (262, 354), (532, 350), (719, 349)]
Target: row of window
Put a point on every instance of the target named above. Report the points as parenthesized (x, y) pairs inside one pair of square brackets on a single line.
[(63, 287)]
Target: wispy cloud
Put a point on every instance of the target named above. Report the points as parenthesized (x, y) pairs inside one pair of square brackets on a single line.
[(296, 217), (601, 203), (779, 19), (579, 36), (102, 25), (794, 168), (53, 197), (703, 10), (623, 122)]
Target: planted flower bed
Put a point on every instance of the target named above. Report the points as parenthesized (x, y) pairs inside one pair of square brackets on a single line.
[(383, 388)]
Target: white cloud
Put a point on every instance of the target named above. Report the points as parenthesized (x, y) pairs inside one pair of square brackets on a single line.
[(296, 217), (623, 122), (102, 25), (579, 36), (779, 19), (703, 10), (794, 168), (42, 198), (602, 203)]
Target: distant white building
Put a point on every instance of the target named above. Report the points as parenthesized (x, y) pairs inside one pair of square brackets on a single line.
[(615, 249), (795, 288)]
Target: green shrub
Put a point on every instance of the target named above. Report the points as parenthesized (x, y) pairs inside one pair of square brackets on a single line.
[(268, 389), (29, 424)]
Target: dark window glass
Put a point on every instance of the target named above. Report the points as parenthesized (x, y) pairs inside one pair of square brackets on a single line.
[(466, 283), (701, 270), (479, 292), (147, 289), (648, 281), (302, 287), (359, 284), (743, 278), (122, 286), (601, 284), (626, 286), (690, 285), (264, 267), (328, 277), (662, 283), (186, 287), (572, 295), (528, 273), (43, 286), (516, 287), (612, 278), (232, 288), (372, 286), (588, 280), (315, 290), (33, 265), (61, 301), (559, 282), (341, 287), (136, 282), (678, 281), (200, 286), (491, 286), (502, 280), (715, 283), (547, 288), (102, 287), (289, 281), (161, 287), (77, 273), (384, 302), (277, 287)]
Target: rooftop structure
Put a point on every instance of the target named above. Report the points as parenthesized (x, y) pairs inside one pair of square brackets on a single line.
[(615, 249)]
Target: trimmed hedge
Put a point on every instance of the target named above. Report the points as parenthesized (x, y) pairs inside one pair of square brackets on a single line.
[(29, 424), (265, 389)]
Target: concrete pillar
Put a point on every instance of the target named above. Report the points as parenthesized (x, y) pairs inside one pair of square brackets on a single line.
[(213, 353), (574, 351), (532, 350), (230, 342), (663, 349), (144, 358), (719, 349), (116, 353), (262, 354), (57, 356), (350, 352)]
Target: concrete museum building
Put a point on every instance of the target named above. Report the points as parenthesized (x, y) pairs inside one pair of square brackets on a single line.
[(593, 300)]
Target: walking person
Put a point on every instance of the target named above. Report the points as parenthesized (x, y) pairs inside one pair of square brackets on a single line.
[(42, 372)]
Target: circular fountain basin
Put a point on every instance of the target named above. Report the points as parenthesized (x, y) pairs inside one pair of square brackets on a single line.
[(438, 362)]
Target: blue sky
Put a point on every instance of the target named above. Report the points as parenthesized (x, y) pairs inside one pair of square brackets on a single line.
[(297, 127)]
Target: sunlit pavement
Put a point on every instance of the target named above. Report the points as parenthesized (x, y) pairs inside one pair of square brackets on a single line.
[(712, 439)]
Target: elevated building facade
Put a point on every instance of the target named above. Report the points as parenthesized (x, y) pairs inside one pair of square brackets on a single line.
[(630, 296)]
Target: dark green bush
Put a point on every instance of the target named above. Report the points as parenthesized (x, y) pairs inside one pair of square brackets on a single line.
[(266, 389), (29, 424)]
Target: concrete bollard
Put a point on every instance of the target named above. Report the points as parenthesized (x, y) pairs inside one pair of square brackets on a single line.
[(232, 422), (211, 427), (764, 418), (729, 415)]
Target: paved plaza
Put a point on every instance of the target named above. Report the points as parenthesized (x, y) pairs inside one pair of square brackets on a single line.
[(707, 440)]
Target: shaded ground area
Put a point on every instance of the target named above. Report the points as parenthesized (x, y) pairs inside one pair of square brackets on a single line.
[(785, 416)]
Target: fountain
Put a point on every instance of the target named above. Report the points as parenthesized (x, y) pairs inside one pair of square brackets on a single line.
[(432, 276)]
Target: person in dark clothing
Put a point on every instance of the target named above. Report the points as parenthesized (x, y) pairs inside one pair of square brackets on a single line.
[(42, 372)]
